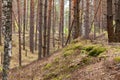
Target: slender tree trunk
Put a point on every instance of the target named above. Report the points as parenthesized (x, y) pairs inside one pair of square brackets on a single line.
[(0, 22), (40, 30), (32, 26), (95, 21), (54, 23), (7, 20), (45, 27), (49, 27), (19, 31), (62, 21), (37, 25), (69, 18), (87, 25), (24, 24)]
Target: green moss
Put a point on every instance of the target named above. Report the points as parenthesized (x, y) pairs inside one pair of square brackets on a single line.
[(73, 68), (1, 68), (56, 60), (62, 77), (117, 59), (68, 53), (75, 41), (88, 48), (50, 76), (73, 47), (47, 66), (96, 51), (86, 60)]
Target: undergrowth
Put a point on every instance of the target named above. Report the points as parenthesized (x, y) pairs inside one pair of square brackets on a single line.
[(71, 59)]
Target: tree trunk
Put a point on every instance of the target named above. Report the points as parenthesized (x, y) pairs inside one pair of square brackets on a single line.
[(32, 26), (40, 30), (45, 27), (7, 24), (87, 25), (110, 21), (19, 31), (76, 30), (69, 18), (24, 24), (0, 22), (54, 24), (62, 21), (117, 20), (49, 27)]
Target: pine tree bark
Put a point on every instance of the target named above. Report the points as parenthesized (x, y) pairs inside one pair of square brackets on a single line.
[(0, 22), (62, 21), (69, 18), (19, 31), (37, 26), (54, 23), (87, 25), (76, 30), (117, 20), (32, 26), (24, 24), (7, 25), (110, 28), (45, 27), (40, 30), (49, 27)]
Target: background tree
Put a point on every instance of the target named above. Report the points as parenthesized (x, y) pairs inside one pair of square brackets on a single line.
[(19, 31), (40, 28), (0, 22), (32, 26), (49, 27)]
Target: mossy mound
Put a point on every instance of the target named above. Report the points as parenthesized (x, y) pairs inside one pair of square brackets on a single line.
[(73, 57), (73, 47)]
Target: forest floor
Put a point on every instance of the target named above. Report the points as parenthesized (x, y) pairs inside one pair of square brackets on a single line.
[(80, 60)]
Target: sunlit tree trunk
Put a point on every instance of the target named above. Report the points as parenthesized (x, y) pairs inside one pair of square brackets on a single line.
[(37, 25)]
